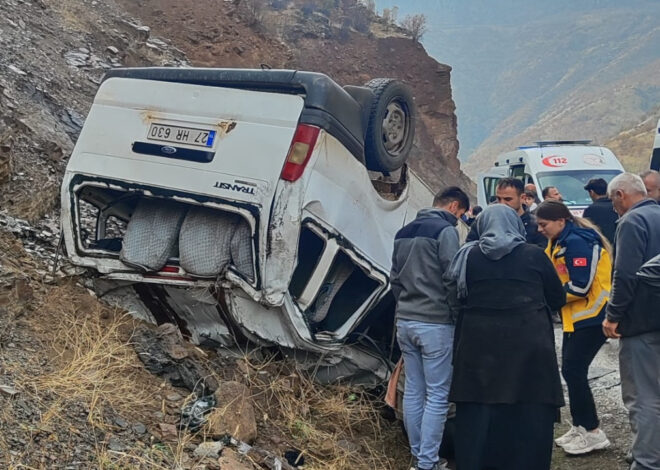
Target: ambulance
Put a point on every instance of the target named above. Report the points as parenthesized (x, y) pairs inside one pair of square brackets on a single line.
[(567, 164)]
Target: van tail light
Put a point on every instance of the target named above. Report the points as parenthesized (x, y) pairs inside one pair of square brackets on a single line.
[(169, 269), (301, 149)]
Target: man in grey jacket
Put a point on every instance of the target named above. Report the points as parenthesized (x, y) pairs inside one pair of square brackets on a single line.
[(423, 250), (632, 314)]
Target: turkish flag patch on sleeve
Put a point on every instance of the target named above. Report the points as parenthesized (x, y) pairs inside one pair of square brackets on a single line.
[(579, 262)]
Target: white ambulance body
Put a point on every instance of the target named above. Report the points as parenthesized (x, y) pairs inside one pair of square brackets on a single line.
[(567, 165)]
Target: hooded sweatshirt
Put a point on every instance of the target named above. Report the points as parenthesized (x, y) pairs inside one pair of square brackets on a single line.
[(423, 250)]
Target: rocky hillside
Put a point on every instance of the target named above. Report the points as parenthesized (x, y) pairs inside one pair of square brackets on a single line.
[(53, 55), (634, 146)]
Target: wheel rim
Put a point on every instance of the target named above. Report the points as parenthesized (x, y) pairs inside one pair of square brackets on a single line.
[(396, 127)]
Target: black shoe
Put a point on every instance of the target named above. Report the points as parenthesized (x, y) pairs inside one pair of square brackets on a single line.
[(629, 457)]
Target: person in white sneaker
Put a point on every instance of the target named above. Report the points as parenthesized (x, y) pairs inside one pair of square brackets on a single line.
[(581, 256)]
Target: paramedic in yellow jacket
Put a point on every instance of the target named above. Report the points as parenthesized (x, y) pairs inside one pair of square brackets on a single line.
[(581, 255)]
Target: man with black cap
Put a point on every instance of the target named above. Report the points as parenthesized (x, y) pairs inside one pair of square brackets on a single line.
[(601, 212)]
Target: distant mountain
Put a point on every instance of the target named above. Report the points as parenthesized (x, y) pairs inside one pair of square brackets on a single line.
[(525, 70)]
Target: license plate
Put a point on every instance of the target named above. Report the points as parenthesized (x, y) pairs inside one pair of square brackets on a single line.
[(181, 135)]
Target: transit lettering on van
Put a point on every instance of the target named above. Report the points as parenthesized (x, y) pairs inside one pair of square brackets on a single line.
[(234, 187), (567, 165)]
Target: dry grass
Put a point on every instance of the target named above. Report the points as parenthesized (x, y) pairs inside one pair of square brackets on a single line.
[(95, 363), (81, 358), (335, 427)]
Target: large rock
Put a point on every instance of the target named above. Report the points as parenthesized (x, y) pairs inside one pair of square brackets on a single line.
[(234, 413), (230, 460)]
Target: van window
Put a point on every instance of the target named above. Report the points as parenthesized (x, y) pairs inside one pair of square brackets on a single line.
[(571, 183)]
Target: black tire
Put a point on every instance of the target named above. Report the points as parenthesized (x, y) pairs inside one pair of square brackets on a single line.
[(391, 127)]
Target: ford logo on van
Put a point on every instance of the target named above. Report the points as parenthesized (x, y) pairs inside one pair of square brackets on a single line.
[(168, 150)]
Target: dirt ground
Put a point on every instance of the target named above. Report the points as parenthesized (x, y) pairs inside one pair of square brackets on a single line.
[(606, 385)]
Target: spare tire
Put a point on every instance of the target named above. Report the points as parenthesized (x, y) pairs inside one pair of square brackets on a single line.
[(391, 125)]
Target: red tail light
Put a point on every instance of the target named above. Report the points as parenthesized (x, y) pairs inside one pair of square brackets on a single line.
[(301, 149), (169, 269)]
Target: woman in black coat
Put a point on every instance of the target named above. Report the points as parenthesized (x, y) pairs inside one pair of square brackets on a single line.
[(506, 382)]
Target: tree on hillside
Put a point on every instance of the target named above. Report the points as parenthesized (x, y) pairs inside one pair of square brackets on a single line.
[(394, 14), (416, 26), (361, 17)]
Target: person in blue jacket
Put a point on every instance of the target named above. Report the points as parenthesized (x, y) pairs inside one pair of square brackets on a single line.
[(581, 256)]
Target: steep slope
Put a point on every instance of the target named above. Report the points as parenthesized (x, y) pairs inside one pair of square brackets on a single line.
[(226, 39), (52, 58)]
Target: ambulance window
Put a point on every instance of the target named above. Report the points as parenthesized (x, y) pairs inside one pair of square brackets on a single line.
[(518, 172), (490, 185)]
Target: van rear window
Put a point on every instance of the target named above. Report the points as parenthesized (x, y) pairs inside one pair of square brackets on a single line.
[(571, 183)]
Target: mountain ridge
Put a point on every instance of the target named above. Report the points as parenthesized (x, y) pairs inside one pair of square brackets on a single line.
[(539, 62)]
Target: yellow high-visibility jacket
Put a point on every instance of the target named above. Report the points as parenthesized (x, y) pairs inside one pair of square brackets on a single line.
[(585, 269)]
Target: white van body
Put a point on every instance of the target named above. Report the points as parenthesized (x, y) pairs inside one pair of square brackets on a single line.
[(568, 165), (655, 156), (319, 247)]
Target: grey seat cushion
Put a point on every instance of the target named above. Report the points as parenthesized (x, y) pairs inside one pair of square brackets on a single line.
[(152, 233)]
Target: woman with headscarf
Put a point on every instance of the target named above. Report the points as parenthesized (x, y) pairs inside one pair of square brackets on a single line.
[(506, 382), (581, 257)]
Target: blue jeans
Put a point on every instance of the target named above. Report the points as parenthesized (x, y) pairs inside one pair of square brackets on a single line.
[(427, 357)]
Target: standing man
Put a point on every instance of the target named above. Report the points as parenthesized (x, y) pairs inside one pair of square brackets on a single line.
[(551, 192), (509, 191), (423, 250), (601, 212), (632, 315), (651, 180)]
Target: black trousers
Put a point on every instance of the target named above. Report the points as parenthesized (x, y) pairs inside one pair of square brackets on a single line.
[(504, 437), (578, 351)]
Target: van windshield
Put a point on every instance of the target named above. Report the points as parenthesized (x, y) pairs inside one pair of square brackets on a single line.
[(571, 183)]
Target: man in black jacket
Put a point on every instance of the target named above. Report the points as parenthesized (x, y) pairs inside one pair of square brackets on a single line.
[(601, 212), (632, 314), (510, 191)]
